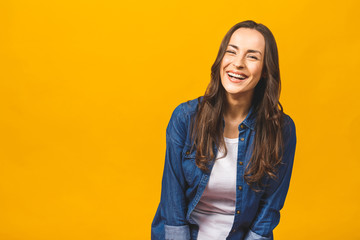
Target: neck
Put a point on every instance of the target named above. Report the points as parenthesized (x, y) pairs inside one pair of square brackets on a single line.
[(237, 106)]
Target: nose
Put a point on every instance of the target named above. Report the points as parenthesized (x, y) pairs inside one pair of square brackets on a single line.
[(239, 62)]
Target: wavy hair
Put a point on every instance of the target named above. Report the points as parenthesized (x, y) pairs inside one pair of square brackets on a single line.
[(207, 128)]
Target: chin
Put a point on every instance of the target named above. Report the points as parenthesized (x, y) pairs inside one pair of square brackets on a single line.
[(233, 91), (230, 88)]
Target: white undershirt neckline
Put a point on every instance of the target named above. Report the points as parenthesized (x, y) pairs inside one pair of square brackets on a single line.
[(215, 211), (231, 140)]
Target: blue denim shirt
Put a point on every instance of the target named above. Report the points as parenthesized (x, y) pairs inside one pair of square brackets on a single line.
[(256, 213)]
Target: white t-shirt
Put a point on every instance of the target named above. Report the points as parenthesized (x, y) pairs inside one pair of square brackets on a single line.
[(215, 211)]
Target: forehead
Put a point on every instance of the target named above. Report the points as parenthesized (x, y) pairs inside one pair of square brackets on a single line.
[(246, 38)]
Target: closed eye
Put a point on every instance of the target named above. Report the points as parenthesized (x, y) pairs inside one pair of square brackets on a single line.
[(229, 51), (253, 57)]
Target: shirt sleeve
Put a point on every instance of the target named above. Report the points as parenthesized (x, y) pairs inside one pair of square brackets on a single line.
[(173, 203), (273, 199)]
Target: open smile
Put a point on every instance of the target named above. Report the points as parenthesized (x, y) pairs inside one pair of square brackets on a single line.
[(236, 77)]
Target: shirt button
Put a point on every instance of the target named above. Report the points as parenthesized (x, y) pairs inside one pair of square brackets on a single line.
[(187, 152), (242, 126), (240, 187), (242, 139), (234, 230), (241, 163), (238, 212)]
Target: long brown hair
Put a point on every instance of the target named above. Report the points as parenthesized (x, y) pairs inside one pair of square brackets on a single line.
[(208, 128)]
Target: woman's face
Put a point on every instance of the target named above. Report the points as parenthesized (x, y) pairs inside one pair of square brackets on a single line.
[(242, 64)]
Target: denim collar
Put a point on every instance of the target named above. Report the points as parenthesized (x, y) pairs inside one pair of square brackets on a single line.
[(249, 121)]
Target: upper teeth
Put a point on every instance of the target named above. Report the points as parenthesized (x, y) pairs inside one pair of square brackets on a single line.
[(236, 75)]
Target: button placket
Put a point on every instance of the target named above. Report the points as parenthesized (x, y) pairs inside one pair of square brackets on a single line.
[(239, 190)]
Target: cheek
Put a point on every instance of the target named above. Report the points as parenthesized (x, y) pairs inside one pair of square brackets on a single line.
[(225, 62), (222, 65), (256, 69)]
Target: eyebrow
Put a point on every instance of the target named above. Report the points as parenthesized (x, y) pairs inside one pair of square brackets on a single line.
[(250, 50)]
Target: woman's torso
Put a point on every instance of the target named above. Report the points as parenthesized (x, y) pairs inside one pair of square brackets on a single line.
[(246, 200)]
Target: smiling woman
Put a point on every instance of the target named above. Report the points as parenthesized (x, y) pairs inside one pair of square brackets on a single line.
[(229, 153), (245, 49)]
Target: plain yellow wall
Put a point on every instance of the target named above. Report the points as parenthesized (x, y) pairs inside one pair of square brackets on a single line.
[(87, 89)]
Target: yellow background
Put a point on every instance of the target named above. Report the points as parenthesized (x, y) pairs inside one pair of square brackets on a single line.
[(87, 89)]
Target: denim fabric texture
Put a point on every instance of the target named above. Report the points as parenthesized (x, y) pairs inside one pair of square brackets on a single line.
[(256, 213)]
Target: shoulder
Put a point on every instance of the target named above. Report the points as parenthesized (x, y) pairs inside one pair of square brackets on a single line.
[(189, 107), (186, 109), (181, 117), (288, 124), (289, 130)]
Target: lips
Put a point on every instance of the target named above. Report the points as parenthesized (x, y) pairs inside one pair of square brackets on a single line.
[(235, 76)]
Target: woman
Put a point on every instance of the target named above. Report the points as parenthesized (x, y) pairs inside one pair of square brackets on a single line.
[(229, 154)]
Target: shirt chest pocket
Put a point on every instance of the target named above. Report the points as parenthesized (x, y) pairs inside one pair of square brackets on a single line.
[(191, 172)]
